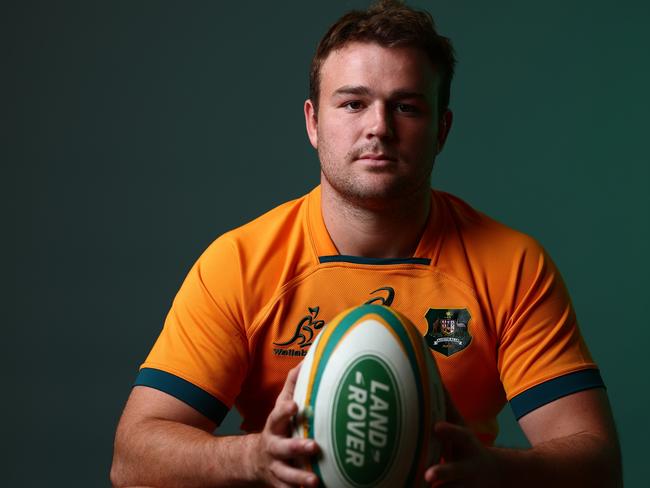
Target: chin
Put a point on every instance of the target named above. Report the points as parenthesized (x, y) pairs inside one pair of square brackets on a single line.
[(379, 195), (377, 189)]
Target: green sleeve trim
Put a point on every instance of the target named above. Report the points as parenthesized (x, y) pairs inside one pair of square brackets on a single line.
[(551, 390), (183, 390)]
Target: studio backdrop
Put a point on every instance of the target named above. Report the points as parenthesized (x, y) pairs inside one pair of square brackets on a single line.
[(136, 132)]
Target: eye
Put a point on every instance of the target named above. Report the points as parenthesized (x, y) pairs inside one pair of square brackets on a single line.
[(406, 108), (353, 105)]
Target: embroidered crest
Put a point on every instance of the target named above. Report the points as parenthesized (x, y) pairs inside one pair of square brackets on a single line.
[(448, 331)]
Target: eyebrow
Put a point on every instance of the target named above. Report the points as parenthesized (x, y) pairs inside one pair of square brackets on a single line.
[(353, 90), (365, 91)]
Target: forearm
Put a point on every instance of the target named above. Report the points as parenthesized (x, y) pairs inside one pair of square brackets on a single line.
[(578, 460), (159, 453)]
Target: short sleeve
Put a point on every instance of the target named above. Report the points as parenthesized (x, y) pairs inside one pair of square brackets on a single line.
[(541, 353), (201, 355)]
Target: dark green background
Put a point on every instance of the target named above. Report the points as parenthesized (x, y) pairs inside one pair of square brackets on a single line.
[(133, 133)]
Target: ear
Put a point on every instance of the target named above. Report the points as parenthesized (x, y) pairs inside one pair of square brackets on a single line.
[(311, 121), (444, 126)]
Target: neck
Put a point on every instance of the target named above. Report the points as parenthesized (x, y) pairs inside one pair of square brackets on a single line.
[(388, 231)]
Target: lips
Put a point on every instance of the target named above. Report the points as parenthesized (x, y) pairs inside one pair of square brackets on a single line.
[(377, 157)]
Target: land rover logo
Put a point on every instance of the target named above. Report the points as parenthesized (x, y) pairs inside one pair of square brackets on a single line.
[(365, 429)]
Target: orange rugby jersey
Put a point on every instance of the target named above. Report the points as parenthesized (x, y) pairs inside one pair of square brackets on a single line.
[(488, 300)]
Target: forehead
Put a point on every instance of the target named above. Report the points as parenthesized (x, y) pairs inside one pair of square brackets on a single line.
[(377, 67)]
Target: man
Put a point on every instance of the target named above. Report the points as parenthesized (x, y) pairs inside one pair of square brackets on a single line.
[(373, 231)]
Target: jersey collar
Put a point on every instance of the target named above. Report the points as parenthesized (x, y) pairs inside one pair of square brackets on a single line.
[(322, 244)]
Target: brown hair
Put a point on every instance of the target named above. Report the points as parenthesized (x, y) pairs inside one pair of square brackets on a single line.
[(388, 23)]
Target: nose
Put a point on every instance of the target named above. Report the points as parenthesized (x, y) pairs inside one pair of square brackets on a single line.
[(380, 122)]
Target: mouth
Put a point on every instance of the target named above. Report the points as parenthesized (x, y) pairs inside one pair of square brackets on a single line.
[(377, 160), (377, 157)]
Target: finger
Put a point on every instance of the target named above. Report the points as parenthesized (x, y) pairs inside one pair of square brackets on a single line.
[(279, 419), (450, 484), (293, 476), (446, 473), (290, 384), (276, 483), (292, 448)]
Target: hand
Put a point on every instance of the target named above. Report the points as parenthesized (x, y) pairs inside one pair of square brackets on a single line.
[(276, 450), (465, 461)]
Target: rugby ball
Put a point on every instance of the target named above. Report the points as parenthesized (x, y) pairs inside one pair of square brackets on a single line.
[(368, 393)]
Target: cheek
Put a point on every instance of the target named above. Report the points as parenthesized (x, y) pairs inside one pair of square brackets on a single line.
[(420, 139), (337, 138)]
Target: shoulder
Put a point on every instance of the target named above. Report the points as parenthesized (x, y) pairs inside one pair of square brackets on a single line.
[(277, 220), (480, 234), (261, 255), (497, 261), (282, 222), (269, 238)]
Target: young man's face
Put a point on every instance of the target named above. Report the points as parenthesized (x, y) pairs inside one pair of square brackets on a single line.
[(377, 130)]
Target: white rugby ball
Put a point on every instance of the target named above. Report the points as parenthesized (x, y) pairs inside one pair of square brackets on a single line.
[(369, 393)]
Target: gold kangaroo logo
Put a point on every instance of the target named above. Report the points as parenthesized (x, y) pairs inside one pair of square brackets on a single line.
[(304, 332)]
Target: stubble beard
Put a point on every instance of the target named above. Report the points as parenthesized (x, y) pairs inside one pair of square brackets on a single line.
[(372, 189)]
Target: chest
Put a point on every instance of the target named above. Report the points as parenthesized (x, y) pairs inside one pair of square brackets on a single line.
[(448, 314)]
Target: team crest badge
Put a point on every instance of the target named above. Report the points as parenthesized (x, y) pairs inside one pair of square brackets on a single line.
[(448, 331)]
